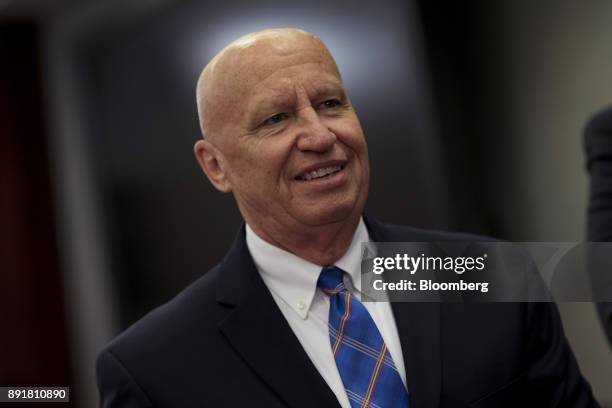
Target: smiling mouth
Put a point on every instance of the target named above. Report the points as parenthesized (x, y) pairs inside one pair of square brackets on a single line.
[(321, 173)]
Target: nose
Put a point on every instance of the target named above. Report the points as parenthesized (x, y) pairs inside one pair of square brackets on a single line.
[(313, 134)]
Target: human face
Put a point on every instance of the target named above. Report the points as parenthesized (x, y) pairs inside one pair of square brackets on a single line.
[(294, 151)]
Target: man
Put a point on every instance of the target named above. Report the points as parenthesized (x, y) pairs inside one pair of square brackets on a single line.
[(265, 327), (598, 146)]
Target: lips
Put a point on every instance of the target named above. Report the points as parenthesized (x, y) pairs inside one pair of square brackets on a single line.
[(319, 173)]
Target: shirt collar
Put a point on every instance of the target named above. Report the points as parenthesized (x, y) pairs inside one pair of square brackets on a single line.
[(294, 279)]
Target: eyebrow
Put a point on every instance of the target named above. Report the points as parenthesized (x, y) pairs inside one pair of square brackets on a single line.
[(339, 92), (269, 105), (332, 87), (283, 102)]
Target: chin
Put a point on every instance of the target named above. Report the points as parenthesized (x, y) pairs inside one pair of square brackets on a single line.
[(320, 216)]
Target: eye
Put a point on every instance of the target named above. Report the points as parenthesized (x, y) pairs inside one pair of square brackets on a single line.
[(329, 104), (273, 120)]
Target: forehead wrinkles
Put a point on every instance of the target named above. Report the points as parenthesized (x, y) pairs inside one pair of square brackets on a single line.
[(257, 67), (292, 86), (250, 82)]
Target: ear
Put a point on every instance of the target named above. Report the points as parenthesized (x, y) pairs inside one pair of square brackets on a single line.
[(210, 160)]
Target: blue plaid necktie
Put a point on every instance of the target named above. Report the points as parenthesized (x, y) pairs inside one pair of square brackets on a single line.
[(367, 370)]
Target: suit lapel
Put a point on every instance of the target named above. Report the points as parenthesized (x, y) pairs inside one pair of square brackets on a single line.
[(260, 334), (418, 326)]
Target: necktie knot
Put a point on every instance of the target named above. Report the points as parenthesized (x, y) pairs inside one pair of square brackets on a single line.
[(330, 280)]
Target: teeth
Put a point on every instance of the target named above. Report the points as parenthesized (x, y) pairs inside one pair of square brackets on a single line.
[(320, 173)]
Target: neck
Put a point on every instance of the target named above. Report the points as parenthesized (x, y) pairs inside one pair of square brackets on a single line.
[(321, 245)]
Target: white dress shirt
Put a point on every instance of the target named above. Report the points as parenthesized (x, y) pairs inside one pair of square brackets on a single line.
[(293, 284)]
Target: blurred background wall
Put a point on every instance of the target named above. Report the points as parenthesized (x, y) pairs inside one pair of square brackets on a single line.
[(473, 113)]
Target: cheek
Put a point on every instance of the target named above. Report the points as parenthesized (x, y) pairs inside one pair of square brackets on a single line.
[(262, 164), (351, 135), (353, 138)]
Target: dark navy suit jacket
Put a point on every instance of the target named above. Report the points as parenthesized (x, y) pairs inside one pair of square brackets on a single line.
[(223, 342)]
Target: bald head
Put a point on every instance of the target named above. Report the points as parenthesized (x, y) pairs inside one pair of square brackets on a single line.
[(229, 77)]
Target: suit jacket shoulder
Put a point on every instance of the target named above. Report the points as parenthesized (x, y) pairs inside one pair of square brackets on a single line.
[(220, 342), (165, 348)]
